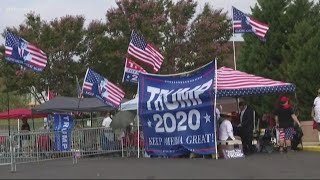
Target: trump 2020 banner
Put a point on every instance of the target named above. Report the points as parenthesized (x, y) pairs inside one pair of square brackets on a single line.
[(131, 71), (63, 125), (176, 112)]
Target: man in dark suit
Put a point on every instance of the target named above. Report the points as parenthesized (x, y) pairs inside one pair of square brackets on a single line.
[(246, 127), (21, 53)]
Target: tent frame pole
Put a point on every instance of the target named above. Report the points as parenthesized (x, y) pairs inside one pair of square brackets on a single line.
[(138, 124), (8, 106), (214, 110)]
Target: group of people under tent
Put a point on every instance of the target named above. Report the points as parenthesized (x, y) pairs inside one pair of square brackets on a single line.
[(285, 122)]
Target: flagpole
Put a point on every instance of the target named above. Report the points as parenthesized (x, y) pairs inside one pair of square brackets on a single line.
[(215, 104), (124, 70), (233, 37), (8, 105), (138, 122), (234, 55), (130, 41), (48, 95), (82, 90), (78, 86)]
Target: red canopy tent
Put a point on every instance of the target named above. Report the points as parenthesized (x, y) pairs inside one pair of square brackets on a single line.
[(19, 113)]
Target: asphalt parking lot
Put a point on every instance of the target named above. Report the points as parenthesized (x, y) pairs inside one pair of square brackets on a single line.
[(297, 165)]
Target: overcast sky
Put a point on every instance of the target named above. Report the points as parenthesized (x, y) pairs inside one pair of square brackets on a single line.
[(12, 12)]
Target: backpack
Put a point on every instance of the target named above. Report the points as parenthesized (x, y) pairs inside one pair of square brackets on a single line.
[(297, 138)]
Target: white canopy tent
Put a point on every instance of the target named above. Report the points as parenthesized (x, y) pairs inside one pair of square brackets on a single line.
[(130, 105)]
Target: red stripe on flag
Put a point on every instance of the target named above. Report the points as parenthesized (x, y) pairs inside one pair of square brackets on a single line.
[(232, 79), (139, 54)]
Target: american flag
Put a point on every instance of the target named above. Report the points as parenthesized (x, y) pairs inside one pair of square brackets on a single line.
[(243, 23), (144, 51), (18, 50), (96, 85)]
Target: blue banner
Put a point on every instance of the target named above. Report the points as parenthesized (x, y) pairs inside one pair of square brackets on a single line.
[(176, 112), (63, 124), (131, 76)]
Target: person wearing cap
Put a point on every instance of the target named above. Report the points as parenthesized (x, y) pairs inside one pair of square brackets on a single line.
[(225, 128), (315, 112), (285, 118)]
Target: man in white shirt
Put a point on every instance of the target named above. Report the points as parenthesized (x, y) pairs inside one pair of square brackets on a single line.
[(226, 129), (107, 121), (315, 113), (108, 131)]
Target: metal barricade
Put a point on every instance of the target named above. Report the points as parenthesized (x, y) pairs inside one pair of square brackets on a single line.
[(130, 144), (46, 145), (95, 141), (5, 156)]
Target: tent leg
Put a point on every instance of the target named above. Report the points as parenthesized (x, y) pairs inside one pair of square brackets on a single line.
[(18, 128), (8, 106), (91, 119), (9, 126), (138, 124), (33, 124), (82, 121)]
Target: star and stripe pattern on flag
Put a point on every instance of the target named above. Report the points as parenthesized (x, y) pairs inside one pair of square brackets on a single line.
[(131, 71), (20, 51), (243, 23), (236, 83), (96, 85), (145, 52)]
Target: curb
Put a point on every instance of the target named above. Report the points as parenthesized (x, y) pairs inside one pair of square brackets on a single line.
[(311, 148)]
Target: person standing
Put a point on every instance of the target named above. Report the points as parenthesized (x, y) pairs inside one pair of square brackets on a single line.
[(25, 137), (107, 120), (25, 125), (108, 138), (315, 112), (285, 118), (246, 127)]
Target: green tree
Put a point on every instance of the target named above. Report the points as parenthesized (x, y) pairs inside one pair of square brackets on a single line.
[(283, 55), (61, 39), (15, 101), (186, 43), (186, 40), (301, 54)]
